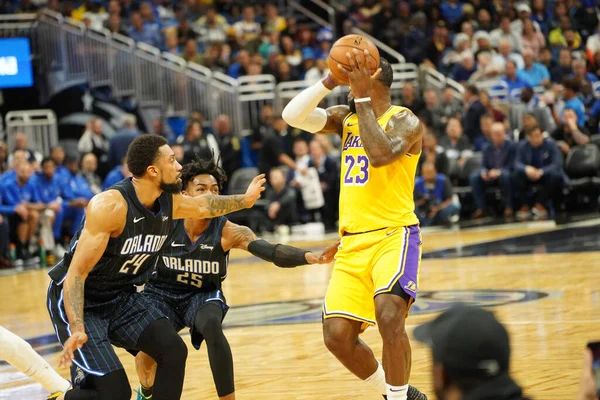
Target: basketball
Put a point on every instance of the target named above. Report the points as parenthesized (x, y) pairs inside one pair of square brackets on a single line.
[(347, 44)]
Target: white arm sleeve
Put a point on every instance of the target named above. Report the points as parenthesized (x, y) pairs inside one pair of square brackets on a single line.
[(302, 111)]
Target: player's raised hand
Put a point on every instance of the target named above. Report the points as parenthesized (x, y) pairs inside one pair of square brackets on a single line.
[(76, 341), (359, 75), (255, 188)]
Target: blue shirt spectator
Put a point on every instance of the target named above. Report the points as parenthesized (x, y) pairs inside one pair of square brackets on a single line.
[(576, 105), (452, 11), (511, 78), (17, 189), (534, 74), (138, 31), (571, 87), (119, 143), (114, 176)]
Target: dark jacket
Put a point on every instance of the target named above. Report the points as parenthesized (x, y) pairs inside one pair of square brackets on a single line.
[(501, 388), (471, 120), (118, 145), (551, 157), (508, 156)]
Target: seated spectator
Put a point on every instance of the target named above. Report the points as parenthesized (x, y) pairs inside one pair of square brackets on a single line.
[(18, 196), (486, 70), (281, 209), (434, 198), (580, 73), (451, 106), (511, 78), (76, 195), (185, 31), (150, 19), (328, 171), (504, 32), (455, 144), (471, 355), (482, 43), (592, 44), (48, 193), (467, 67), (529, 104), (452, 11), (273, 21), (432, 114), (240, 67), (34, 157), (178, 151), (18, 157), (190, 52), (534, 74), (318, 72), (505, 54), (558, 36), (524, 15), (229, 146), (484, 19), (538, 162), (117, 174), (571, 87), (114, 25), (158, 128), (94, 141), (529, 121), (532, 40), (436, 47), (498, 161), (490, 110), (570, 133), (474, 109), (272, 153), (89, 165), (433, 153), (213, 26), (119, 143), (461, 43), (563, 69), (196, 142), (148, 34), (3, 159), (410, 98), (485, 122), (247, 30)]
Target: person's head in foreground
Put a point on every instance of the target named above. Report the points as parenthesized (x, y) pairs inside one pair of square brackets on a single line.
[(471, 355)]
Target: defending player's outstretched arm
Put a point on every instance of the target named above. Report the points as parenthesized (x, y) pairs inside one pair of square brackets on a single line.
[(91, 245), (242, 237), (210, 206)]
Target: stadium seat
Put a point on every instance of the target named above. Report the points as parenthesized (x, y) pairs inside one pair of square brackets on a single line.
[(583, 161), (239, 181), (470, 165), (595, 139)]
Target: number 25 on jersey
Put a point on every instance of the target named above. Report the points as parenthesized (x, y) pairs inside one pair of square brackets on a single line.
[(357, 170)]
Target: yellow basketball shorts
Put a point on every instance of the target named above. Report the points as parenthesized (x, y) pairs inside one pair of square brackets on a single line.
[(369, 264)]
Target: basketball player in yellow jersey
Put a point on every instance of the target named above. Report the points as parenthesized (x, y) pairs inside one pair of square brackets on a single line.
[(375, 277)]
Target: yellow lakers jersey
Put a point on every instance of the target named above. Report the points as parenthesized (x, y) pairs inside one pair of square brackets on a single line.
[(373, 198)]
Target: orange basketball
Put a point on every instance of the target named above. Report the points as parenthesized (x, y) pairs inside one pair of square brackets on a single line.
[(347, 44)]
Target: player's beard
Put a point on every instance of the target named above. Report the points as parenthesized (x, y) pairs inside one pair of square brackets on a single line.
[(173, 188), (352, 105)]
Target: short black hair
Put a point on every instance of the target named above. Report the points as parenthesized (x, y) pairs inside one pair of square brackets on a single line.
[(571, 83), (473, 89), (387, 73), (71, 159), (202, 167), (47, 159), (533, 129), (143, 152)]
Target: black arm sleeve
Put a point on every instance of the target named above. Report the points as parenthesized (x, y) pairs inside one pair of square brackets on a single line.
[(282, 255)]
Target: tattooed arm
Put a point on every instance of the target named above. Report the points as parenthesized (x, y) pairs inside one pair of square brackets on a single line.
[(91, 245), (210, 206), (242, 237), (403, 135)]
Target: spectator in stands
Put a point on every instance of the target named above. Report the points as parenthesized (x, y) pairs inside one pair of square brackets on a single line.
[(196, 142), (273, 21), (240, 67), (484, 19), (410, 99), (580, 73), (285, 73), (190, 52), (451, 106), (172, 42), (76, 195), (328, 171), (434, 198), (504, 32), (485, 123), (452, 11), (89, 165), (538, 162), (505, 54), (318, 72), (25, 6), (18, 157), (563, 69), (229, 145), (571, 87), (455, 144), (490, 110), (593, 42), (559, 37), (158, 128), (570, 133), (213, 26), (114, 25), (33, 156), (117, 174), (185, 31), (149, 17), (18, 198), (94, 141), (3, 162), (434, 50), (433, 153), (512, 80), (149, 34), (178, 151), (247, 30), (474, 109), (524, 14), (272, 153), (461, 43), (498, 161), (431, 113), (467, 67), (281, 198), (528, 104), (48, 193), (486, 70), (482, 43), (471, 355), (120, 142), (289, 52), (532, 40), (535, 74)]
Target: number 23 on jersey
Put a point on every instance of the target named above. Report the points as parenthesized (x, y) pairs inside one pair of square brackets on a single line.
[(357, 170)]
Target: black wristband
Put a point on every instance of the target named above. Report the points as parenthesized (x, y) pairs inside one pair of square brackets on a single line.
[(282, 255)]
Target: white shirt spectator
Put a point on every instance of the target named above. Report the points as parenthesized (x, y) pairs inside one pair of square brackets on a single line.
[(593, 43), (499, 60), (247, 30)]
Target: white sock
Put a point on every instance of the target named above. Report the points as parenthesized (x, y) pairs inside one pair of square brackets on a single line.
[(18, 353), (396, 392), (377, 380)]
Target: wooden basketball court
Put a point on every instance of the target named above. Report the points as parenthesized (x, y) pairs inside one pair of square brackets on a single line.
[(541, 280)]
